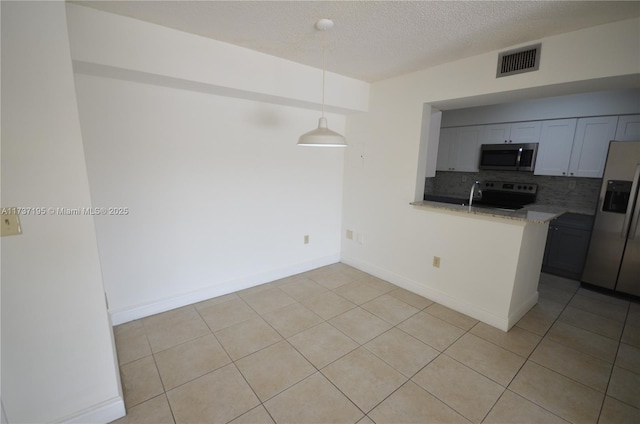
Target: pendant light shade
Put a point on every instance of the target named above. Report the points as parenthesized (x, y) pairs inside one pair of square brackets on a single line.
[(323, 136)]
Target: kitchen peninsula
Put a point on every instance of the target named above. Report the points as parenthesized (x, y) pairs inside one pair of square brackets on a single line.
[(491, 259)]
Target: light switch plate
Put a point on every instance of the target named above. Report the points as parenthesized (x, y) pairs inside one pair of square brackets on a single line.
[(10, 225)]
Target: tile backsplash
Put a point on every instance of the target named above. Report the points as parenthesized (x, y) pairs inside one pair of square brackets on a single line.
[(551, 190)]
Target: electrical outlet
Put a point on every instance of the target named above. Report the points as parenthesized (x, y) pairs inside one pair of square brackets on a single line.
[(10, 225), (572, 185), (349, 234), (306, 239), (436, 261)]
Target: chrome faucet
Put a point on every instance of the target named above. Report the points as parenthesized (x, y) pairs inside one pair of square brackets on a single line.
[(473, 191)]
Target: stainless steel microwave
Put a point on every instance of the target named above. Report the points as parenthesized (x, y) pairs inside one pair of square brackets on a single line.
[(509, 157)]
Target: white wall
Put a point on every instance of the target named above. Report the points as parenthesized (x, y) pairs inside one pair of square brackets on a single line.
[(111, 44), (58, 361), (198, 140), (220, 197), (603, 57), (3, 415), (400, 241)]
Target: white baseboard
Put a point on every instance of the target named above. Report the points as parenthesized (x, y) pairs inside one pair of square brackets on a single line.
[(3, 417), (503, 323), (102, 413), (522, 309), (120, 316)]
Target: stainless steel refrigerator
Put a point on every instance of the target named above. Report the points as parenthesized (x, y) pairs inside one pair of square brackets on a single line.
[(613, 260)]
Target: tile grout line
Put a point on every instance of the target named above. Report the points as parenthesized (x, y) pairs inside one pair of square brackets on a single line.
[(408, 379), (528, 358), (566, 305), (393, 326), (164, 392), (626, 318), (283, 338), (233, 361), (360, 345), (317, 370)]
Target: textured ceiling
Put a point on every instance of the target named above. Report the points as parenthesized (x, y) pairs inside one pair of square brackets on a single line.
[(373, 40)]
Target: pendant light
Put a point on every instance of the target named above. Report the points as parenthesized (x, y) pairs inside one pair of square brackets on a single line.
[(323, 136)]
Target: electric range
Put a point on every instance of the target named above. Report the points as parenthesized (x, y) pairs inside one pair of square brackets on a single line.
[(506, 195)]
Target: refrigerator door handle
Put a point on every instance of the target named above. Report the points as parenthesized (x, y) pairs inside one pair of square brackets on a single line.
[(632, 208), (634, 223)]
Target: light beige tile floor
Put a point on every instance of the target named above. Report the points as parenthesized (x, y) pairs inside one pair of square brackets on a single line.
[(336, 345)]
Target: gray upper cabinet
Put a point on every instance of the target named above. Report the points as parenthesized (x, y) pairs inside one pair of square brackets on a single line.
[(591, 144), (554, 150), (517, 132), (495, 134), (575, 147), (458, 149), (628, 128), (526, 132), (445, 147)]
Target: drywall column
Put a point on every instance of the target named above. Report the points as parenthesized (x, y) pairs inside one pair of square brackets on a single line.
[(58, 360)]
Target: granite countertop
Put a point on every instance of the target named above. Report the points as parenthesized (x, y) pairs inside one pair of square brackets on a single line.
[(534, 213), (582, 211)]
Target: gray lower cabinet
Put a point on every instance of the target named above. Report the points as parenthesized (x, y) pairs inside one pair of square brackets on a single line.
[(567, 245)]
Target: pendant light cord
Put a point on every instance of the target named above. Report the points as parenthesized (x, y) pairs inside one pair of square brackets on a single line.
[(324, 48)]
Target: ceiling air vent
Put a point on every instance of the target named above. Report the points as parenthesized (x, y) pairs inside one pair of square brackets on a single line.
[(525, 59)]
